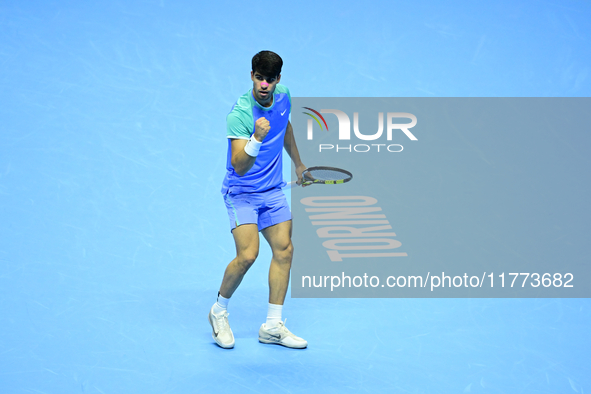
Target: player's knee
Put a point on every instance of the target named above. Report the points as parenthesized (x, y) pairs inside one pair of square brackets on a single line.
[(285, 254), (247, 258)]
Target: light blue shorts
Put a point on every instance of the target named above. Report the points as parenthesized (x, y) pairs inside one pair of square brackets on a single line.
[(265, 209)]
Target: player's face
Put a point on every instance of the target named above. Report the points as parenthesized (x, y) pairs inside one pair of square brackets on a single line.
[(263, 88)]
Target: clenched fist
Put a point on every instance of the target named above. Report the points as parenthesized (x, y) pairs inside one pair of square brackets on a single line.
[(261, 129)]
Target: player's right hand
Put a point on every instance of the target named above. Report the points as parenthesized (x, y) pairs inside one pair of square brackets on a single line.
[(261, 129)]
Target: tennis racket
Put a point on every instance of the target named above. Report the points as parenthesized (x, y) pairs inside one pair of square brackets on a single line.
[(323, 175)]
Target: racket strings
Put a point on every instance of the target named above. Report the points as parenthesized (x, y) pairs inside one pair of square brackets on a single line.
[(327, 175)]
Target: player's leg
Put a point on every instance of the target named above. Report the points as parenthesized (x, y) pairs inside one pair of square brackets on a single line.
[(243, 215), (246, 238), (243, 212), (278, 236)]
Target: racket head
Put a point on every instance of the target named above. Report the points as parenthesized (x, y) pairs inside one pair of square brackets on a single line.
[(325, 175)]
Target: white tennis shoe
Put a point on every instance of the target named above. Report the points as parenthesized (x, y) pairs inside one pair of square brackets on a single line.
[(280, 335), (222, 334)]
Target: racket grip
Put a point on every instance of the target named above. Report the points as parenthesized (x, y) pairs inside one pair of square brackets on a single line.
[(290, 185)]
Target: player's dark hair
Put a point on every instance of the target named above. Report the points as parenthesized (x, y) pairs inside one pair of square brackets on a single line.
[(267, 63)]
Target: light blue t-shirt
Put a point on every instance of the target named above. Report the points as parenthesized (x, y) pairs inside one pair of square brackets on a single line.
[(266, 173)]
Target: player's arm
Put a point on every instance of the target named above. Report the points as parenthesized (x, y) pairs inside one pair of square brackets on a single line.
[(244, 152), (241, 161), (292, 150)]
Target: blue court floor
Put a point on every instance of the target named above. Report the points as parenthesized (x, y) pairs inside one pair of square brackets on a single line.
[(113, 232)]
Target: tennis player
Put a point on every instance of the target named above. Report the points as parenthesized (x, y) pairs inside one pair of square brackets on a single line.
[(258, 129)]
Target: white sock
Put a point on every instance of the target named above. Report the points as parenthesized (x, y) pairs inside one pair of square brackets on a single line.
[(221, 305), (273, 315)]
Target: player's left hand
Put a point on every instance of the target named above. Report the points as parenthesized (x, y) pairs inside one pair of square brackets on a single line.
[(299, 170)]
